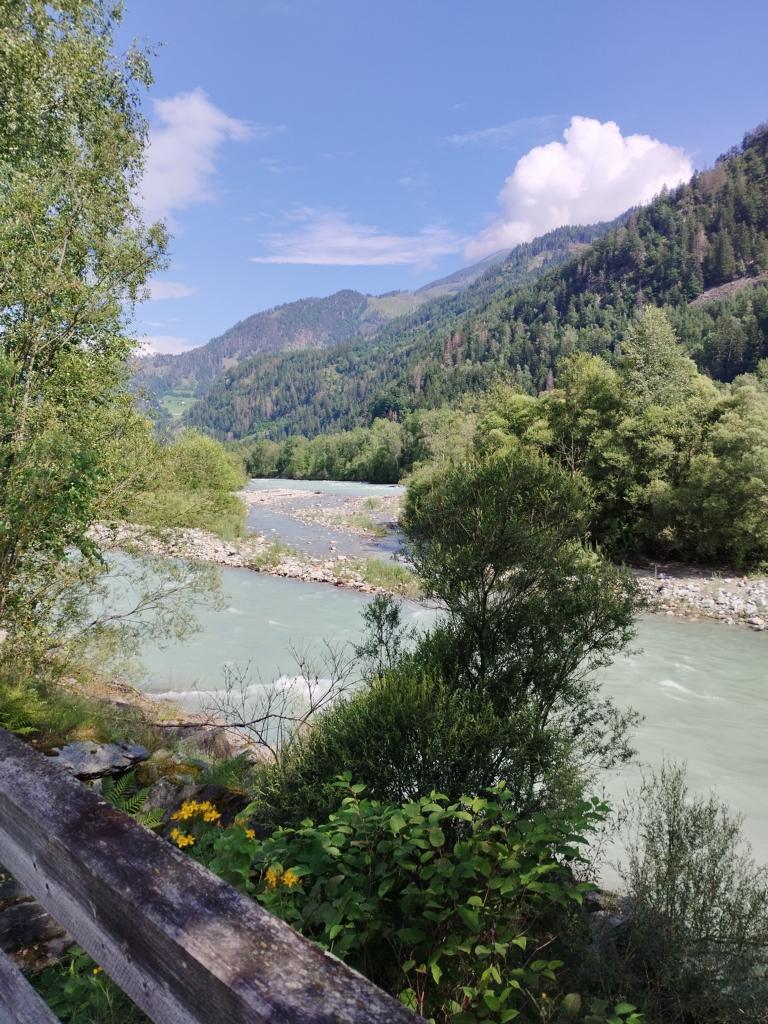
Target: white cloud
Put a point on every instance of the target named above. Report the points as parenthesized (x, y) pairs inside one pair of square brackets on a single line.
[(165, 345), (329, 238), (594, 175), (500, 133), (170, 290), (186, 136)]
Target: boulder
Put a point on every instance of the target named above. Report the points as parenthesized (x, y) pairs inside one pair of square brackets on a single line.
[(97, 760)]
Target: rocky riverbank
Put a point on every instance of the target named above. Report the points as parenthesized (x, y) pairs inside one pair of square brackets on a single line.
[(669, 589), (363, 516), (253, 552), (702, 594)]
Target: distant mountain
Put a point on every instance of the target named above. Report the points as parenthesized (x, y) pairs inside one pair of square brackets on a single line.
[(293, 391), (176, 381), (540, 303)]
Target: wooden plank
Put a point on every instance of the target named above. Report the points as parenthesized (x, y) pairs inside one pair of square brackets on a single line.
[(19, 1003), (186, 947)]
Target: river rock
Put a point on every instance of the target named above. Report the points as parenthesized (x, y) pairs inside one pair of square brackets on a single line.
[(97, 760)]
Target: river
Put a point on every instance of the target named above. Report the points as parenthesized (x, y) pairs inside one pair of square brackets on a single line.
[(701, 687)]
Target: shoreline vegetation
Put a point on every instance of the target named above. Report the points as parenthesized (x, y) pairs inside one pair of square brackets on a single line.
[(682, 591)]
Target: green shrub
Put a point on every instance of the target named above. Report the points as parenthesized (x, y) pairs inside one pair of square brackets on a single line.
[(403, 736), (454, 907), (192, 485), (699, 937)]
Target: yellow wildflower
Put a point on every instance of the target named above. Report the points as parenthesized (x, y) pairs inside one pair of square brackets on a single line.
[(250, 833), (273, 878), (191, 808), (181, 838), (97, 970), (185, 812), (290, 878)]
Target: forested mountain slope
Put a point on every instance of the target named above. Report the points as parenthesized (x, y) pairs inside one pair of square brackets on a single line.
[(318, 393), (307, 323), (707, 233)]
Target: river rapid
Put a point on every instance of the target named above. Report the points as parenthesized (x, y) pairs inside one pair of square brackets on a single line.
[(701, 687)]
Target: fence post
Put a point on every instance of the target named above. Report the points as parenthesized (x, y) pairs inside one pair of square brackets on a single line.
[(19, 1003)]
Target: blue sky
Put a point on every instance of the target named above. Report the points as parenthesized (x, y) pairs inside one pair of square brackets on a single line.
[(302, 146)]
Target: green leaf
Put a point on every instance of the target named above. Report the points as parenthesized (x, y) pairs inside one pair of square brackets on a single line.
[(436, 836), (572, 1004), (385, 887), (471, 918), (397, 822)]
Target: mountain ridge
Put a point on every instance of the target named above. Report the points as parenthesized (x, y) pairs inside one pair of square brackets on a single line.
[(687, 241), (313, 322)]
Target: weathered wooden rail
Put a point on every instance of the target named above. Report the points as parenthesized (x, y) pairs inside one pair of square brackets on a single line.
[(186, 947)]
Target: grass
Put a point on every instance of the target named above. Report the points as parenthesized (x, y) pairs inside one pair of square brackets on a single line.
[(390, 576), (270, 557), (177, 402), (360, 521), (39, 708)]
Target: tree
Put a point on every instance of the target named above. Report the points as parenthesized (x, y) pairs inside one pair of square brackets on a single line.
[(532, 610), (654, 368), (74, 255)]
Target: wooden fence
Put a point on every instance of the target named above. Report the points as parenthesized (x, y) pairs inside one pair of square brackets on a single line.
[(186, 947)]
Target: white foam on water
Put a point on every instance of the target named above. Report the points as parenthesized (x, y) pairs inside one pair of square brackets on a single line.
[(670, 684)]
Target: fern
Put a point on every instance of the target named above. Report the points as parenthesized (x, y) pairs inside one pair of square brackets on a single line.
[(19, 707), (127, 798)]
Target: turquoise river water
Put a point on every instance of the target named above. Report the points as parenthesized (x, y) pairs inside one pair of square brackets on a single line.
[(702, 688)]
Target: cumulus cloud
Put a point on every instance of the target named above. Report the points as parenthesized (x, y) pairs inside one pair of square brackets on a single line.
[(329, 238), (187, 134), (165, 345), (593, 175), (170, 290)]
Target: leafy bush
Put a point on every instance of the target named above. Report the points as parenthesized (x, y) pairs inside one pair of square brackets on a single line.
[(192, 485), (452, 906), (531, 609), (699, 935), (403, 735)]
